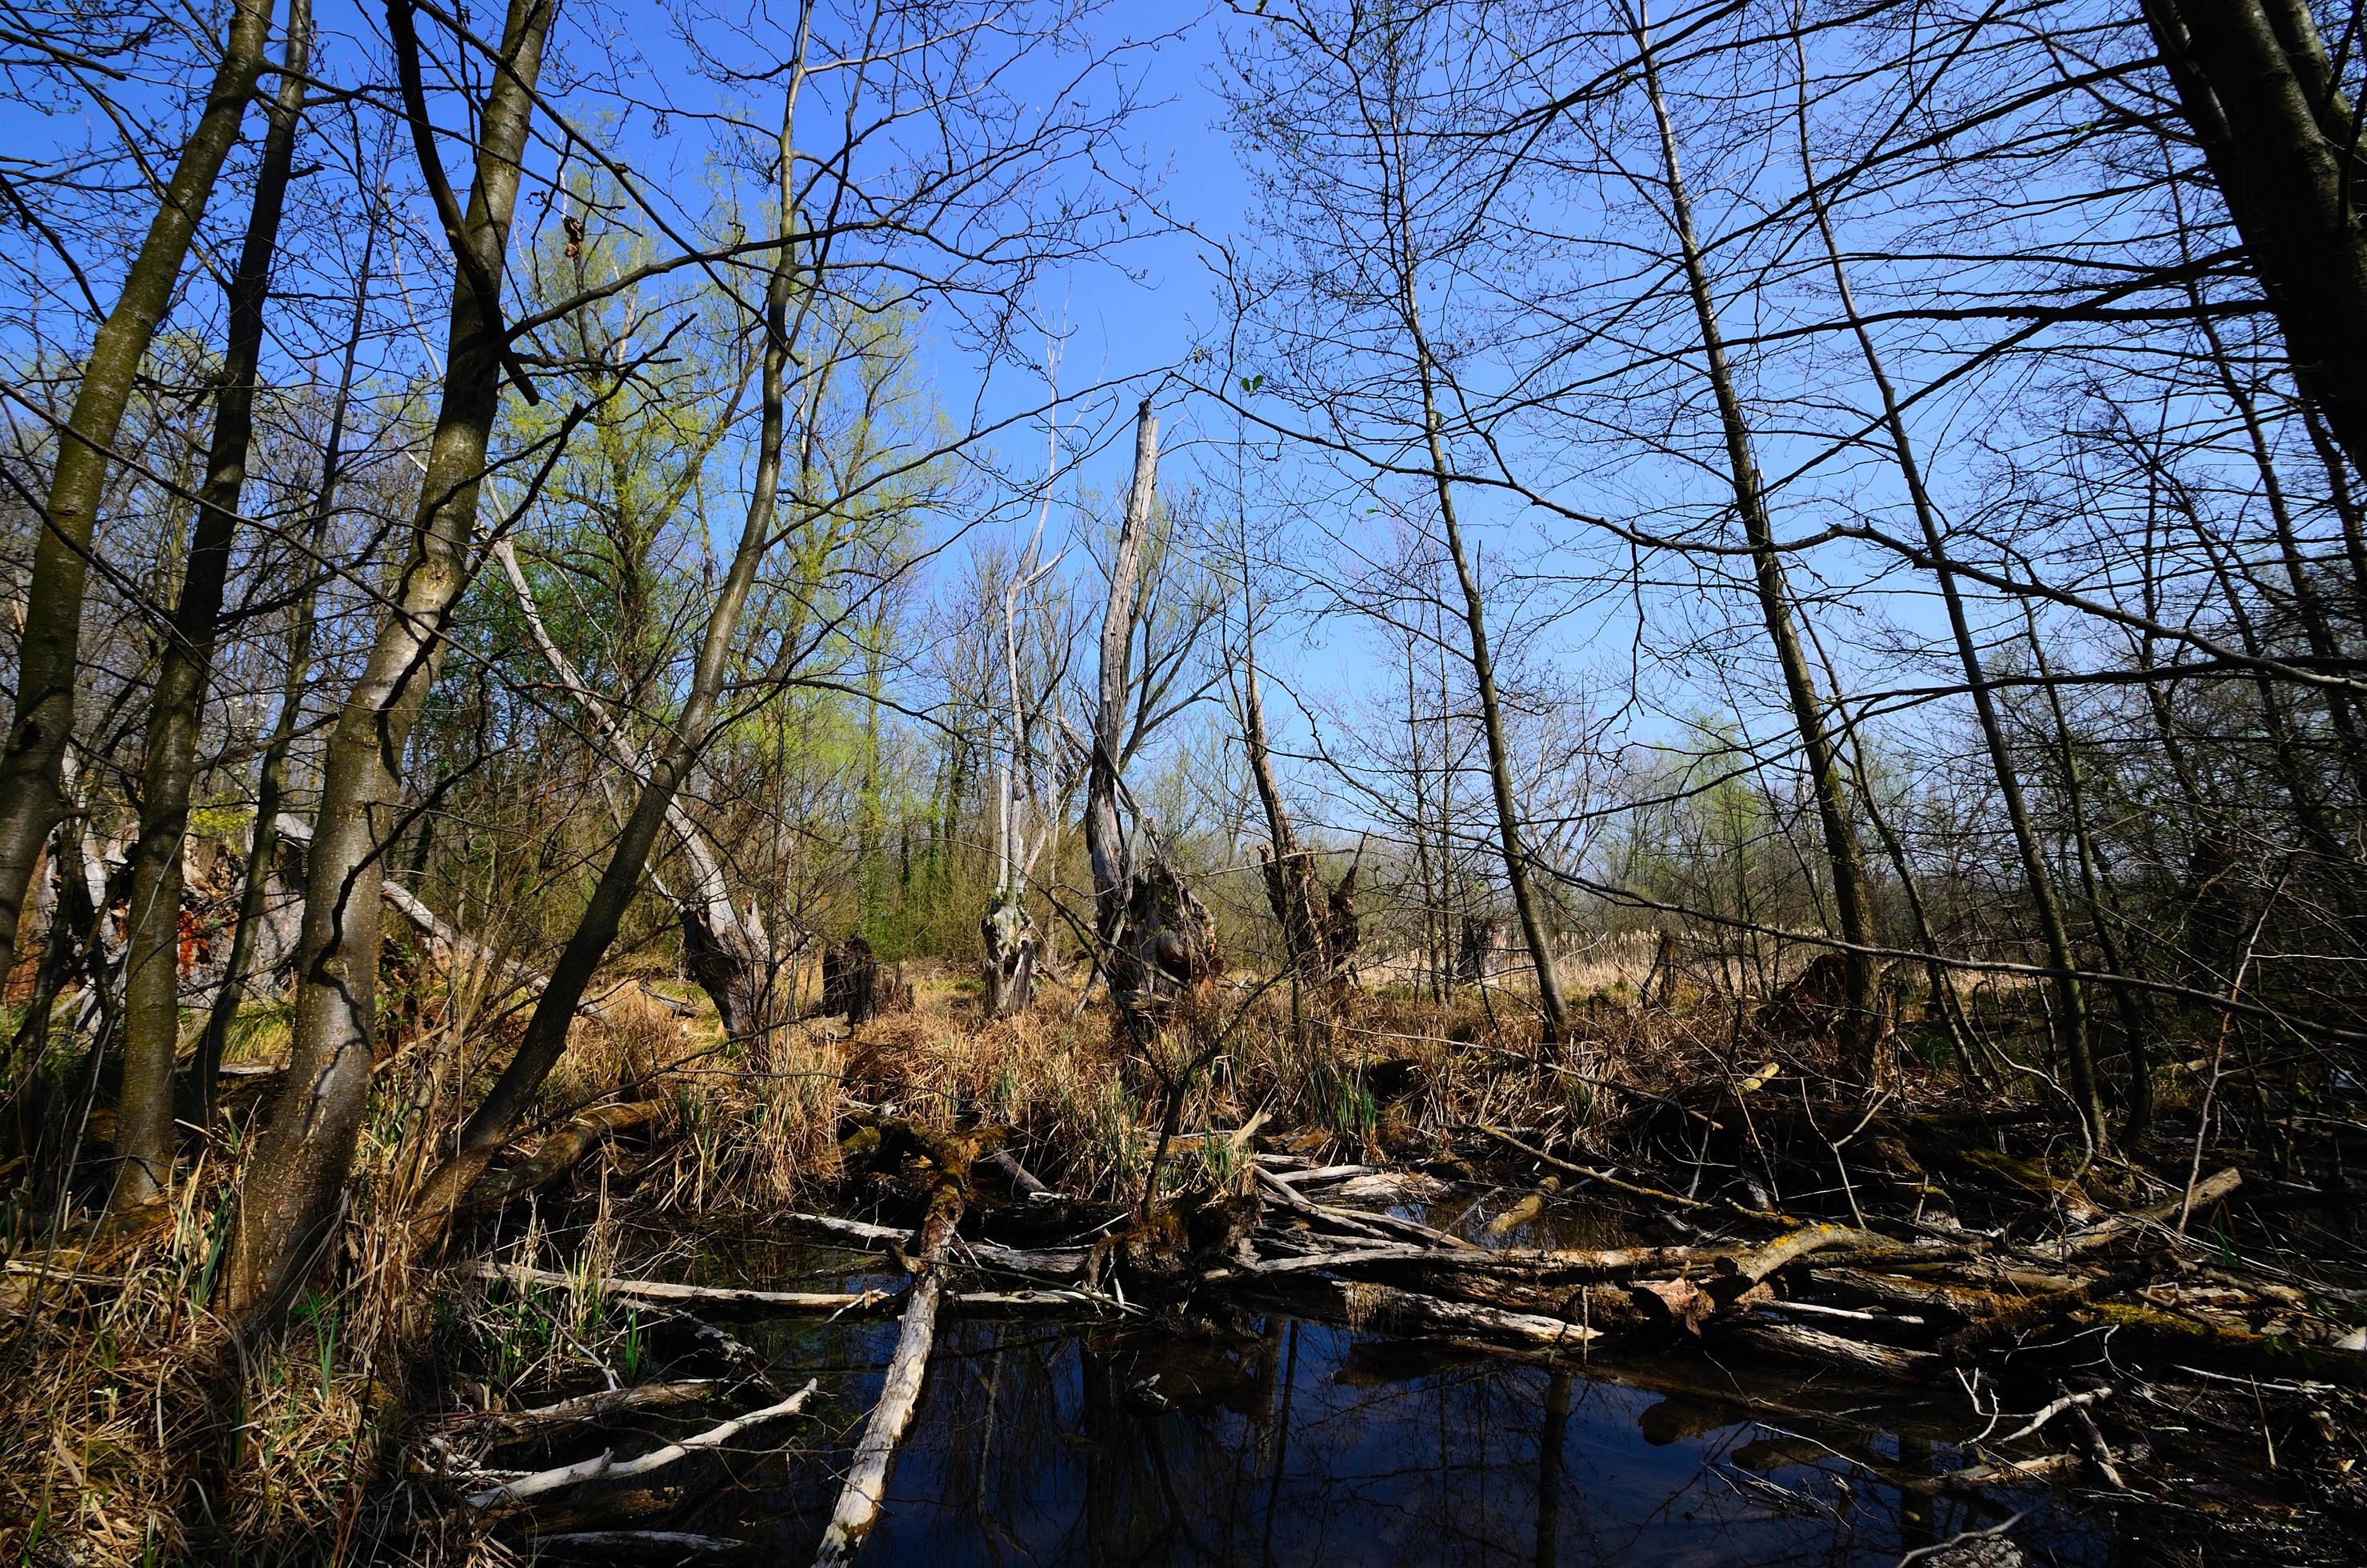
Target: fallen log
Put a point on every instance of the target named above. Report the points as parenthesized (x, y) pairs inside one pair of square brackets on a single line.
[(588, 1407), (604, 1467), (899, 1391), (1387, 1309), (861, 1236), (2001, 1473), (1802, 1343), (1355, 1218), (561, 1151), (666, 1292), (1022, 1181), (1737, 1273), (2211, 1189)]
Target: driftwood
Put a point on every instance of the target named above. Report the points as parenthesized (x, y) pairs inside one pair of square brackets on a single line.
[(1065, 1263), (604, 1467), (899, 1391)]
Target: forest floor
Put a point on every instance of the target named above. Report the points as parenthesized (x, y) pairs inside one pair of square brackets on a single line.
[(1932, 1282)]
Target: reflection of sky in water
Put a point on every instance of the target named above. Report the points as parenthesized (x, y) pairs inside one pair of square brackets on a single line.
[(1298, 1443)]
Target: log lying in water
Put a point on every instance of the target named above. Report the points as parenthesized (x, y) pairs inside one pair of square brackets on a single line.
[(861, 1236), (604, 1467), (899, 1392), (1390, 1310), (726, 1297)]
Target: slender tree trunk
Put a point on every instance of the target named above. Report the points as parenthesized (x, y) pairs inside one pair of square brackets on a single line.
[(290, 1200), (2070, 1011), (1104, 835), (2136, 1024), (546, 1032), (49, 648), (271, 776), (1525, 905), (1851, 904), (151, 983), (2282, 144)]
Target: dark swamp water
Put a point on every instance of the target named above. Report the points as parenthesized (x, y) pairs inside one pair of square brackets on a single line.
[(1284, 1442)]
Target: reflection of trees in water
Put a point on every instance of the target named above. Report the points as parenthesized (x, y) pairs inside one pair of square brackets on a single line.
[(1300, 1444)]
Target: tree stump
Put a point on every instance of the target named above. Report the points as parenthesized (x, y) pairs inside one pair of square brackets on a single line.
[(1008, 933), (1165, 949), (1475, 949), (850, 981)]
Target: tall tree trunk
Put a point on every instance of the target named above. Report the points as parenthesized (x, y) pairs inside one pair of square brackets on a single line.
[(1156, 938), (2069, 1015), (1863, 1030), (151, 983), (1104, 835), (2281, 140), (546, 1032), (291, 1197), (1526, 903), (31, 799)]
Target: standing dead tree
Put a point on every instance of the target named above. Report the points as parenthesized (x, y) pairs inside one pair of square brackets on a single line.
[(1157, 939)]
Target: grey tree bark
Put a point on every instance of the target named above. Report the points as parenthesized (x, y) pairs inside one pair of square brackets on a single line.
[(31, 798), (151, 989), (2282, 144), (271, 775)]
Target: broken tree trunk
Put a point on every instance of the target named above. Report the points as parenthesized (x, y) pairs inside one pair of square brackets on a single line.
[(602, 1468), (1007, 934), (899, 1392), (854, 983), (1158, 941)]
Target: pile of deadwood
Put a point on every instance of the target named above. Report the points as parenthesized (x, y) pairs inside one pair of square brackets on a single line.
[(2068, 1312)]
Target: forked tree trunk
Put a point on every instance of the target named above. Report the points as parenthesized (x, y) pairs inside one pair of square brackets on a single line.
[(49, 648), (290, 1200), (152, 981), (1862, 1021)]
